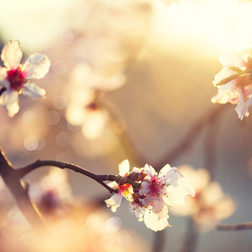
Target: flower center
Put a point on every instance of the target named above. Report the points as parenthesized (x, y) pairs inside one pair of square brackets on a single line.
[(16, 78), (156, 186)]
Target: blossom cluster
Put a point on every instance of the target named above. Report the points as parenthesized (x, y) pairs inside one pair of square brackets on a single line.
[(14, 77), (234, 82), (149, 193)]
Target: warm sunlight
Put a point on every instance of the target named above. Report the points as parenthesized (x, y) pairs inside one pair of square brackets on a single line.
[(221, 24)]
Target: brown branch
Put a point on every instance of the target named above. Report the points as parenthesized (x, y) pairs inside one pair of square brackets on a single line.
[(234, 227), (15, 185), (63, 165), (190, 137)]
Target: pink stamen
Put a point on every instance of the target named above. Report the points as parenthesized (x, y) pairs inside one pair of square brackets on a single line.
[(17, 78)]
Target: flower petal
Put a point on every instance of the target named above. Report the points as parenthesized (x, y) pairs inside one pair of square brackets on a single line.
[(9, 99), (150, 171), (177, 193), (11, 55), (156, 222), (36, 66), (145, 187), (158, 205), (114, 202), (171, 174), (33, 91), (124, 167)]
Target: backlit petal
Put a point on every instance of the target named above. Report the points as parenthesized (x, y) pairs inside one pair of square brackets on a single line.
[(124, 167), (36, 66), (33, 91), (156, 222), (114, 202), (11, 55)]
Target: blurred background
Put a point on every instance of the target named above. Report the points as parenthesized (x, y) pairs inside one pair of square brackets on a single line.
[(128, 80)]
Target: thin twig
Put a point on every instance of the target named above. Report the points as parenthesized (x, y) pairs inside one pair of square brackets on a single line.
[(63, 165), (234, 227)]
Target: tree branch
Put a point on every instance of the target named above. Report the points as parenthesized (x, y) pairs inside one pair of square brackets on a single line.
[(234, 227), (63, 165), (18, 190)]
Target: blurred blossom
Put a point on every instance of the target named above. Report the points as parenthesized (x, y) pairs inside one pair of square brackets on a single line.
[(238, 89), (85, 87), (210, 204), (14, 77), (59, 67), (106, 135)]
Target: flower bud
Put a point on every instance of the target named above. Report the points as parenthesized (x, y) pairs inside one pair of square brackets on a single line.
[(121, 181), (135, 176)]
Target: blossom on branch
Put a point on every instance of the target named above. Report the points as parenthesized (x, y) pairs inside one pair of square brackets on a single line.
[(234, 82), (14, 77), (150, 194)]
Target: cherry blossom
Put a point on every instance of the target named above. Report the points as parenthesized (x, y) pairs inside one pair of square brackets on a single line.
[(234, 82), (14, 77), (149, 193), (124, 190)]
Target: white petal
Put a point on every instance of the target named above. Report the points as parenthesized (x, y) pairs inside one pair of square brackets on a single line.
[(36, 66), (145, 187), (171, 174), (177, 193), (156, 222), (11, 55), (137, 210), (12, 109), (158, 205), (244, 109), (150, 171), (9, 99), (33, 91), (124, 167), (3, 74), (114, 202)]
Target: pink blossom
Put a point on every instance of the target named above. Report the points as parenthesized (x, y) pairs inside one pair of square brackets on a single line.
[(238, 90)]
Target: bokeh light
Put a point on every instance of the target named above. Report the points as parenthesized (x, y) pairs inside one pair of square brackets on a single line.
[(63, 139), (59, 67)]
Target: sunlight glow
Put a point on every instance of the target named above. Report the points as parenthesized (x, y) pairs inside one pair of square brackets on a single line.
[(222, 24)]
